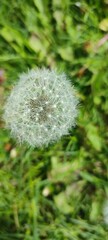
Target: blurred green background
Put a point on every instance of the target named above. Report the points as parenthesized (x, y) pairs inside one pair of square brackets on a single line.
[(56, 193)]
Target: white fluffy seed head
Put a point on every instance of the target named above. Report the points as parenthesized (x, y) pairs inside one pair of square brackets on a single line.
[(41, 107), (105, 212)]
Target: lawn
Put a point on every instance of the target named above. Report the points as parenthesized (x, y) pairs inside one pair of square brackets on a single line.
[(57, 192)]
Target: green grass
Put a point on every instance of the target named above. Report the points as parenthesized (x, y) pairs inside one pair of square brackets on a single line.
[(56, 193)]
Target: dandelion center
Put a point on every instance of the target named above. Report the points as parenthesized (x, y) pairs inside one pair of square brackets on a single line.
[(40, 109)]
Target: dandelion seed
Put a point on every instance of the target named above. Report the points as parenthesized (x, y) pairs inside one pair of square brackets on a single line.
[(41, 108), (105, 212)]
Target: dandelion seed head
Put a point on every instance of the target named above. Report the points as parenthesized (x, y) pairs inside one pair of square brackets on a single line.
[(105, 212), (41, 108)]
